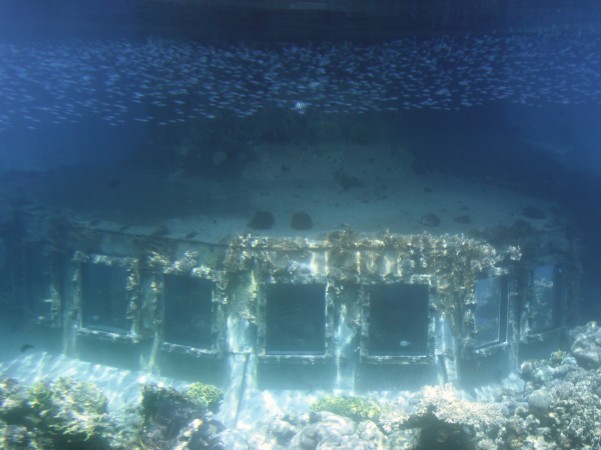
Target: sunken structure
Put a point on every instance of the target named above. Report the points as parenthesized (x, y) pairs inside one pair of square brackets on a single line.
[(341, 311)]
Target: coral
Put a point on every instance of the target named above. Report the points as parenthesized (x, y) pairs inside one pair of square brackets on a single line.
[(557, 407), (13, 400), (557, 357), (180, 418), (72, 411), (435, 403), (355, 408), (64, 414), (330, 431), (317, 430), (586, 346), (206, 394), (72, 415), (560, 406), (446, 406), (436, 417)]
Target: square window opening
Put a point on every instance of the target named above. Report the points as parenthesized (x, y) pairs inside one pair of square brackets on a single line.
[(398, 320), (188, 309), (545, 305), (295, 319), (40, 291), (104, 298), (491, 312)]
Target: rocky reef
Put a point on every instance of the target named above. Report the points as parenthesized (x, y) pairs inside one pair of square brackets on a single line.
[(64, 414), (70, 415), (557, 406)]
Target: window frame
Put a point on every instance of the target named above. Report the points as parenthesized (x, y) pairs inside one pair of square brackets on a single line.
[(167, 345), (504, 312), (131, 268), (367, 357), (265, 355), (559, 315)]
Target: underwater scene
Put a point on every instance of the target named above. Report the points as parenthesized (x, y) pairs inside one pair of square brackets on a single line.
[(308, 225)]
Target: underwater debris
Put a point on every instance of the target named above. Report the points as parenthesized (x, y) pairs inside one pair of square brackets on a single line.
[(346, 180), (261, 220), (191, 235), (463, 219), (160, 231), (301, 221), (26, 347), (430, 220)]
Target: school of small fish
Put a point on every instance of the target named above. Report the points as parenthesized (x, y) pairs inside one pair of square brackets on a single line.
[(167, 82)]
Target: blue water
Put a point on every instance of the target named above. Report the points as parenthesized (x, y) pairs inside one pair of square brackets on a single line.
[(511, 97), (508, 97)]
